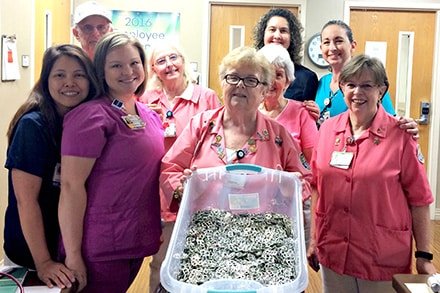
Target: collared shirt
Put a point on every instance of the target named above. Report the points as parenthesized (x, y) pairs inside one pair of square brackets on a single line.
[(193, 100), (202, 144), (363, 215)]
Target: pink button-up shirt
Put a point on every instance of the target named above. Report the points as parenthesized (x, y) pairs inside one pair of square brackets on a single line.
[(194, 99), (363, 215), (201, 144), (299, 123)]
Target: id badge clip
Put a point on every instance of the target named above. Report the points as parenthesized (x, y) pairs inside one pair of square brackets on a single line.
[(170, 129)]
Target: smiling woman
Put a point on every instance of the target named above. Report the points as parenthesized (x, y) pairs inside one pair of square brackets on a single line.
[(235, 133), (337, 45), (106, 144), (33, 160), (362, 145), (280, 26)]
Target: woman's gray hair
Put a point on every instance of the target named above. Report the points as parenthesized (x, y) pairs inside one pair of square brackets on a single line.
[(278, 56), (250, 58)]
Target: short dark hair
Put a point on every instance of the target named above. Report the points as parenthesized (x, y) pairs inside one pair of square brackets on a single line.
[(295, 28)]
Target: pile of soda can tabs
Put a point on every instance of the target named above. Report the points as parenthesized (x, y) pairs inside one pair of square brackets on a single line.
[(262, 247), (434, 283)]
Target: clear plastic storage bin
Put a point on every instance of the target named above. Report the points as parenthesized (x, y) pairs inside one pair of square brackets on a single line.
[(235, 192)]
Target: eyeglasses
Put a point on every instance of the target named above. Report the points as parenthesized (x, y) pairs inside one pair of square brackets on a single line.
[(88, 29), (173, 58), (363, 87), (247, 81)]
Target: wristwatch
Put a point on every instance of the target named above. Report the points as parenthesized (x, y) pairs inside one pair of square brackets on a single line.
[(423, 254)]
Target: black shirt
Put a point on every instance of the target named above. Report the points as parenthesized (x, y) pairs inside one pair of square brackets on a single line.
[(304, 86)]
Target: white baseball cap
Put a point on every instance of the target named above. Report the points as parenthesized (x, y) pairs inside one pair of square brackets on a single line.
[(89, 8)]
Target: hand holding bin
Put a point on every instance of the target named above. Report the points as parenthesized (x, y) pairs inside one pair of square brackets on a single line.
[(235, 194)]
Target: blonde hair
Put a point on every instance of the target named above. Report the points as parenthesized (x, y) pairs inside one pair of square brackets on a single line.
[(250, 58)]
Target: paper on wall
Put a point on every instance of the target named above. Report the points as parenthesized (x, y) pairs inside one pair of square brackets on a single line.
[(377, 50), (10, 67)]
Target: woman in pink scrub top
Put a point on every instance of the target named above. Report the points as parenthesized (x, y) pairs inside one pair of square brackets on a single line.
[(111, 150)]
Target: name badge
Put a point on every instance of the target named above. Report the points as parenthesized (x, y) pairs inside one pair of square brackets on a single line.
[(341, 160), (133, 121), (170, 129)]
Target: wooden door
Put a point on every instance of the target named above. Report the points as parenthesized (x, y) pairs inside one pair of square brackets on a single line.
[(385, 26), (57, 14), (222, 18)]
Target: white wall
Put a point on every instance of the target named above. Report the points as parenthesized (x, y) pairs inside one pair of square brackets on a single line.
[(12, 94)]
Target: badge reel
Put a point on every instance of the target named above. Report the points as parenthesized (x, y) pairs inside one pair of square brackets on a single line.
[(169, 126), (132, 121)]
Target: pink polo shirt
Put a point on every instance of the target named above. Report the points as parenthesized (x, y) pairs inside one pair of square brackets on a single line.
[(363, 216), (194, 99), (299, 123), (271, 145)]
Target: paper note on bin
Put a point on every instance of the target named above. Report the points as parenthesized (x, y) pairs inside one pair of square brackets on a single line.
[(244, 201)]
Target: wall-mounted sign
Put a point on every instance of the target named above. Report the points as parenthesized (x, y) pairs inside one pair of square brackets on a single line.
[(148, 27), (10, 69)]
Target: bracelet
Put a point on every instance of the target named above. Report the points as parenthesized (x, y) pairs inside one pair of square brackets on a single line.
[(424, 254)]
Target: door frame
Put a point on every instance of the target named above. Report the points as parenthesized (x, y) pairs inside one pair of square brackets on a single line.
[(434, 135), (300, 4)]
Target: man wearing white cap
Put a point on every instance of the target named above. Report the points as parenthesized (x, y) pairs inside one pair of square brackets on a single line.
[(91, 22)]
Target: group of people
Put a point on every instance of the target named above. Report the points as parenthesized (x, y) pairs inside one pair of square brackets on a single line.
[(128, 129)]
